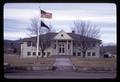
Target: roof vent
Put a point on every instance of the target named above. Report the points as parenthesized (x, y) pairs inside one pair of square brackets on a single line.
[(62, 35)]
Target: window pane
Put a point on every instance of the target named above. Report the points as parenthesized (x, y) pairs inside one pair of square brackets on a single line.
[(69, 41), (33, 44), (59, 50), (55, 46), (29, 43), (38, 53), (88, 53), (68, 46), (28, 53), (79, 54), (34, 53), (93, 54), (44, 53), (48, 53), (63, 50), (74, 54)]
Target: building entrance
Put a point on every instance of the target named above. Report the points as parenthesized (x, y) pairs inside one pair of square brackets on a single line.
[(61, 49)]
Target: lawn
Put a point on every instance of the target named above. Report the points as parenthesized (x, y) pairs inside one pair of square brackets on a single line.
[(101, 64), (42, 63), (79, 64)]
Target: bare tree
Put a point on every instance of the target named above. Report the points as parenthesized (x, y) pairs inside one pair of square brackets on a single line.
[(34, 26), (51, 28), (87, 31), (43, 38)]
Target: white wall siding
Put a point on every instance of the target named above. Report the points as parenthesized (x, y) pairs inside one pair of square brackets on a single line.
[(95, 49), (25, 49)]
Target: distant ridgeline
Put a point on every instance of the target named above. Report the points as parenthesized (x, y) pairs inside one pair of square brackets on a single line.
[(12, 47), (109, 48)]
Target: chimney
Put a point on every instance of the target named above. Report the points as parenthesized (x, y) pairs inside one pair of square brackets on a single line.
[(73, 32)]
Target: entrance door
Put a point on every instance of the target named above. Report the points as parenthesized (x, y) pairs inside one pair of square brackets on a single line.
[(61, 49)]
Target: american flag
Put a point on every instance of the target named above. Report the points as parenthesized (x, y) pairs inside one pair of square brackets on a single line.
[(45, 14)]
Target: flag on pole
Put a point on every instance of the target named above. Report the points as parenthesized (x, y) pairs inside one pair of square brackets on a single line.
[(44, 25), (45, 14)]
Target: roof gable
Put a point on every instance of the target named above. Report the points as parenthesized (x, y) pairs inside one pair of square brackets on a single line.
[(62, 36)]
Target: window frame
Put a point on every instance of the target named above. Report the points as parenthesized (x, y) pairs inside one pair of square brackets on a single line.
[(60, 50), (34, 53), (28, 53), (68, 46), (88, 53), (48, 53), (79, 53), (63, 51), (54, 46), (39, 53), (74, 53), (29, 43), (93, 54)]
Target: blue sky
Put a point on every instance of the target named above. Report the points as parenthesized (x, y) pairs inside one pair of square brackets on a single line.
[(17, 18)]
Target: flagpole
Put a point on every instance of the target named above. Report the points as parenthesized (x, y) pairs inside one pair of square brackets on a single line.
[(39, 25)]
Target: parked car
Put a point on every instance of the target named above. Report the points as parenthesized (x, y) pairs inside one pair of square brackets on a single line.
[(107, 55), (6, 67)]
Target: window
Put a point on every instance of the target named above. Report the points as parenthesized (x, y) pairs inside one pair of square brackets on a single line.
[(29, 43), (55, 46), (28, 53), (93, 54), (69, 41), (34, 53), (79, 53), (63, 50), (59, 50), (38, 53), (68, 46), (48, 53), (74, 54), (44, 53), (88, 53), (33, 44), (106, 56)]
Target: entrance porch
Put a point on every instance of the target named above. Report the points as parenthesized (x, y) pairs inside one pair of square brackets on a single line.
[(63, 47)]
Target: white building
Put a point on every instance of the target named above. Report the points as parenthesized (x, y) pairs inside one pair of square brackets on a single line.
[(61, 43)]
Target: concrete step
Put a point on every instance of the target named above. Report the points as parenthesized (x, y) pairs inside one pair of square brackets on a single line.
[(61, 56), (64, 68)]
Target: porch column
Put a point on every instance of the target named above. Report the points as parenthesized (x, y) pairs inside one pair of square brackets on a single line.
[(71, 47), (67, 47), (56, 47), (21, 54)]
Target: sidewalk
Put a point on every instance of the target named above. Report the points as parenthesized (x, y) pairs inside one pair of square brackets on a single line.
[(59, 75), (63, 64)]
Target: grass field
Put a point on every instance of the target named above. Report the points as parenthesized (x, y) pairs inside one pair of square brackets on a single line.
[(42, 63), (78, 63), (94, 63)]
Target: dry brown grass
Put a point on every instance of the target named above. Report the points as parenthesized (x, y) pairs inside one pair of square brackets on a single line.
[(94, 62), (17, 61)]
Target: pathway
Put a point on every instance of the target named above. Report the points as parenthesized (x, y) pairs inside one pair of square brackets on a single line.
[(63, 64)]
